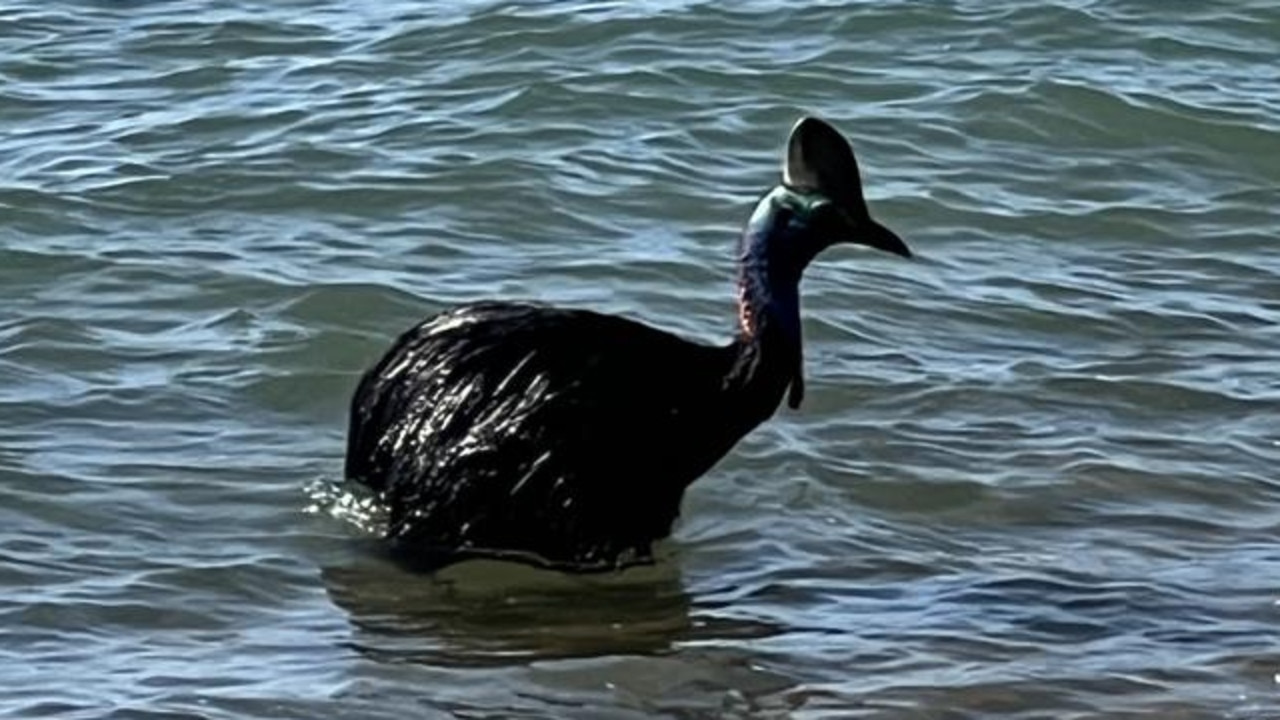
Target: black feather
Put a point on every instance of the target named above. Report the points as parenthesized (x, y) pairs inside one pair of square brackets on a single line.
[(567, 437), (566, 434)]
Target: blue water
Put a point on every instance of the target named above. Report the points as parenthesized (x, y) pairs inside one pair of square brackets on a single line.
[(1033, 476)]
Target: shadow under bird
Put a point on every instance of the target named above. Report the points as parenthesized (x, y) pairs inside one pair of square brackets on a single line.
[(565, 437)]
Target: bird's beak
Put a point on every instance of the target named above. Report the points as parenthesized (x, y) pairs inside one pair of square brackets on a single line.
[(859, 228), (873, 234)]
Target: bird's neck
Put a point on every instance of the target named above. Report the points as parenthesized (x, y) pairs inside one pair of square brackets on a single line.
[(768, 343), (776, 247), (768, 303)]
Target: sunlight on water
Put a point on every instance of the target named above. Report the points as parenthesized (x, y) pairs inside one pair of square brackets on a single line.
[(348, 502), (1034, 474)]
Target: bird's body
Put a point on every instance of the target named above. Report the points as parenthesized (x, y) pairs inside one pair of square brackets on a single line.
[(514, 443), (567, 437)]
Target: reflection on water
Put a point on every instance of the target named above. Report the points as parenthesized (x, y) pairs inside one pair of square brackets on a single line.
[(486, 611), (1034, 476), (633, 639)]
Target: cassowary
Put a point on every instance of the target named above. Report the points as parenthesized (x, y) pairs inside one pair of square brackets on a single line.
[(566, 437)]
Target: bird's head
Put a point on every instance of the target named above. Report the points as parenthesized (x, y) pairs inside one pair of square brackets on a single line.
[(818, 204)]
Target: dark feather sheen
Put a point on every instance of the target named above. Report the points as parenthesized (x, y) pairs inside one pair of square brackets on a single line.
[(566, 435)]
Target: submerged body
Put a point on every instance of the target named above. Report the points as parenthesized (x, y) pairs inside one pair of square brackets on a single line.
[(567, 437)]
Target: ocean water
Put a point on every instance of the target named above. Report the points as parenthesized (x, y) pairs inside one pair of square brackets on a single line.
[(1035, 475)]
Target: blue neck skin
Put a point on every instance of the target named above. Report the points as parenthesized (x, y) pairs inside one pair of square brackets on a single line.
[(776, 246)]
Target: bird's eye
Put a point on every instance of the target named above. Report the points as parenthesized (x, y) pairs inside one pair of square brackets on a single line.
[(822, 213)]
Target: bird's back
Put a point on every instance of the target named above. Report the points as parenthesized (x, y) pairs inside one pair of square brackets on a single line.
[(566, 434)]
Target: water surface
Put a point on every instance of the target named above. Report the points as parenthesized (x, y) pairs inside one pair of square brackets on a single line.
[(1034, 475)]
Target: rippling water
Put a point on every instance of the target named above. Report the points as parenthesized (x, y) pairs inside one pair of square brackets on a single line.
[(1035, 475)]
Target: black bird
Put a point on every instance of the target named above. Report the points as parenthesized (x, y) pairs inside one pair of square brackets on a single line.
[(566, 438)]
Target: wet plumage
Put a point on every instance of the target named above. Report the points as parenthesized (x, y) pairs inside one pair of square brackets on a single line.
[(567, 437)]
